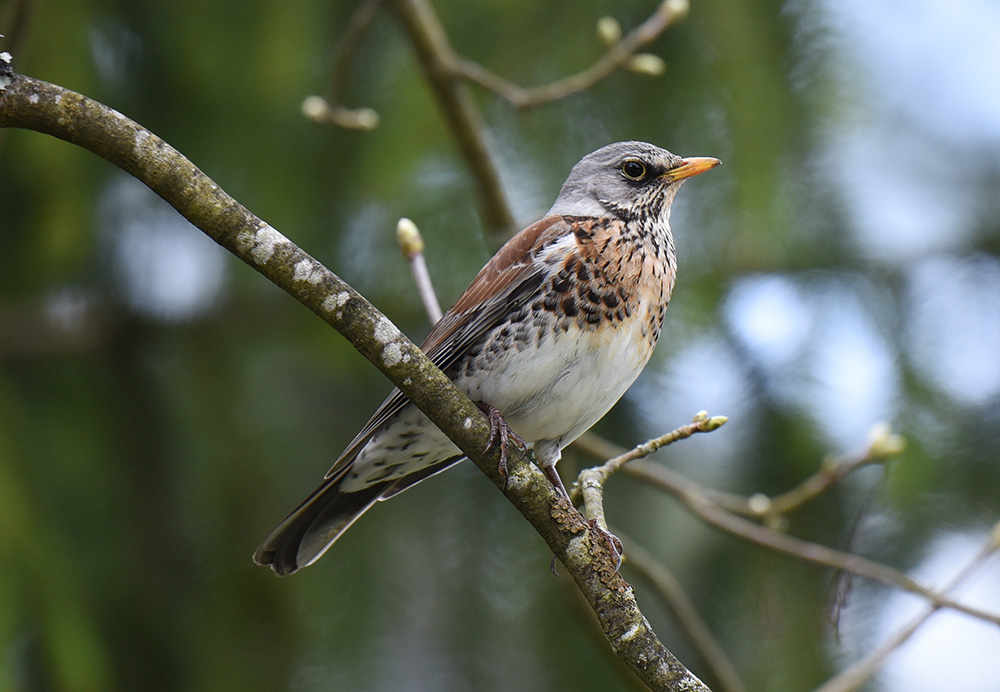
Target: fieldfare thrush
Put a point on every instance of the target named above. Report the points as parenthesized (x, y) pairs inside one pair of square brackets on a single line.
[(551, 333)]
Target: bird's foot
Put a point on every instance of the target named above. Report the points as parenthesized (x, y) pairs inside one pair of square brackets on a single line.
[(612, 541), (500, 432)]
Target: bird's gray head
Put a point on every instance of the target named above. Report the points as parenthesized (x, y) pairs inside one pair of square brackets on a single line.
[(627, 180)]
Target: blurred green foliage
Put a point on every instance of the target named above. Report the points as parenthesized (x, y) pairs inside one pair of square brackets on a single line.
[(154, 426)]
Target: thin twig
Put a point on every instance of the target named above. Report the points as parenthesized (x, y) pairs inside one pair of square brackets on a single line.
[(705, 504), (349, 42), (321, 111), (701, 423), (884, 445), (703, 507), (617, 56), (412, 245), (589, 486), (670, 590), (331, 110), (859, 673)]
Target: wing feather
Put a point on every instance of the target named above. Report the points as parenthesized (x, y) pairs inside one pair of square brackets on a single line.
[(508, 280)]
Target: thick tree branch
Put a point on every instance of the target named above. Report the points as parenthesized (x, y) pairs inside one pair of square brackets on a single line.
[(670, 590), (36, 105)]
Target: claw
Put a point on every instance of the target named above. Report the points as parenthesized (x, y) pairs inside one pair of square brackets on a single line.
[(499, 430), (613, 542)]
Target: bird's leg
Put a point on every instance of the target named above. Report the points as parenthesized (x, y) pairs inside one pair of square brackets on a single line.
[(553, 475), (547, 455), (499, 430)]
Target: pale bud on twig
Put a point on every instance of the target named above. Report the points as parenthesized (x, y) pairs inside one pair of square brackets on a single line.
[(714, 423), (760, 504), (676, 9), (883, 443), (412, 245), (647, 64), (365, 118), (319, 110), (409, 237), (315, 108), (706, 424), (609, 31)]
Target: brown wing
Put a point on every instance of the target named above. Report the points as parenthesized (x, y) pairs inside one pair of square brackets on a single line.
[(507, 281)]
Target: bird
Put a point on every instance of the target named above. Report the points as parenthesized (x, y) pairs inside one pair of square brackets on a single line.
[(546, 339)]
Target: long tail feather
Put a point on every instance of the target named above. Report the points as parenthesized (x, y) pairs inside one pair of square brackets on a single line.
[(314, 525)]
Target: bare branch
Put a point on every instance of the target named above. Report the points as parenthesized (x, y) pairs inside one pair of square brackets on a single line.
[(37, 105), (619, 55), (703, 507), (721, 510), (859, 673), (701, 423), (883, 445), (331, 110), (437, 60), (349, 41), (590, 484)]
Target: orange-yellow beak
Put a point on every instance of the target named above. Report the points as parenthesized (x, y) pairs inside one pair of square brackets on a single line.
[(689, 167)]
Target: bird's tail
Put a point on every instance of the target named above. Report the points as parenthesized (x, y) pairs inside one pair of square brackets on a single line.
[(312, 527), (322, 518)]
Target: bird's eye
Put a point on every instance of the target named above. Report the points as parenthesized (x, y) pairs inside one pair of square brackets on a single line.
[(634, 170)]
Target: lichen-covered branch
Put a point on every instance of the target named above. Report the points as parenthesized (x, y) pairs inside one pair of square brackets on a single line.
[(690, 622), (37, 105)]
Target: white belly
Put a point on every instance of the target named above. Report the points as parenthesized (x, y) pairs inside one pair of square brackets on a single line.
[(561, 388)]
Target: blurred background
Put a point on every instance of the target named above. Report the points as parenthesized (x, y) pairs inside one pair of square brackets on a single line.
[(162, 406)]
